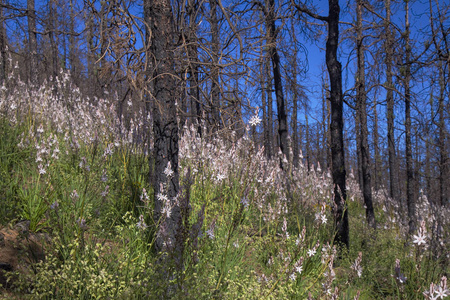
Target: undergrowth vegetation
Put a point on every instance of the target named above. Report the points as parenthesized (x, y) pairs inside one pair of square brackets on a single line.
[(79, 175)]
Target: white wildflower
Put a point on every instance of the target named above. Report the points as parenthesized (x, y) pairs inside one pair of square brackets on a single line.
[(220, 177), (168, 170), (141, 224), (419, 239), (311, 252), (162, 197), (40, 129), (167, 210), (41, 170), (210, 233), (356, 266), (255, 120)]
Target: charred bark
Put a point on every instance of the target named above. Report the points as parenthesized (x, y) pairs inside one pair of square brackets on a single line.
[(215, 83), (410, 199), (2, 46), (337, 122), (268, 88), (165, 129), (443, 156), (362, 112), (271, 32), (32, 41), (337, 125), (393, 176)]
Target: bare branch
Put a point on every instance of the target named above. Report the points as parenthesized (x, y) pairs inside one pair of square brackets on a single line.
[(303, 9)]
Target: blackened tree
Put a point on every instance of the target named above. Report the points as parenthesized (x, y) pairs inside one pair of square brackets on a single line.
[(158, 14), (361, 99), (337, 122), (410, 198), (269, 11), (32, 41)]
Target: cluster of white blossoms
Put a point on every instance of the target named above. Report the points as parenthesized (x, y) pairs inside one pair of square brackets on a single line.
[(141, 224), (167, 209), (420, 238), (47, 149), (284, 228), (321, 217), (167, 205), (220, 177), (437, 291), (255, 120), (356, 266), (210, 233), (298, 268), (301, 238)]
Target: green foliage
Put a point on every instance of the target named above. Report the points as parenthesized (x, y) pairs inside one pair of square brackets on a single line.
[(91, 274), (255, 239), (12, 163), (380, 249), (34, 204)]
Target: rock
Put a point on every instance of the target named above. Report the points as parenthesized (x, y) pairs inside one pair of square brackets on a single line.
[(23, 226)]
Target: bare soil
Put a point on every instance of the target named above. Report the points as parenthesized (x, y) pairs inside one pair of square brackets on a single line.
[(19, 250)]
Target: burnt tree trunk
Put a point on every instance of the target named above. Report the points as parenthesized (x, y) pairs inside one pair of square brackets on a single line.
[(266, 139), (72, 45), (294, 87), (362, 112), (53, 43), (359, 173), (337, 124), (443, 52), (90, 59), (377, 157), (295, 142), (2, 46), (307, 138), (337, 121), (328, 121), (443, 156), (215, 87), (268, 89), (271, 32), (192, 51), (393, 177), (165, 129), (410, 199), (32, 41), (324, 126)]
